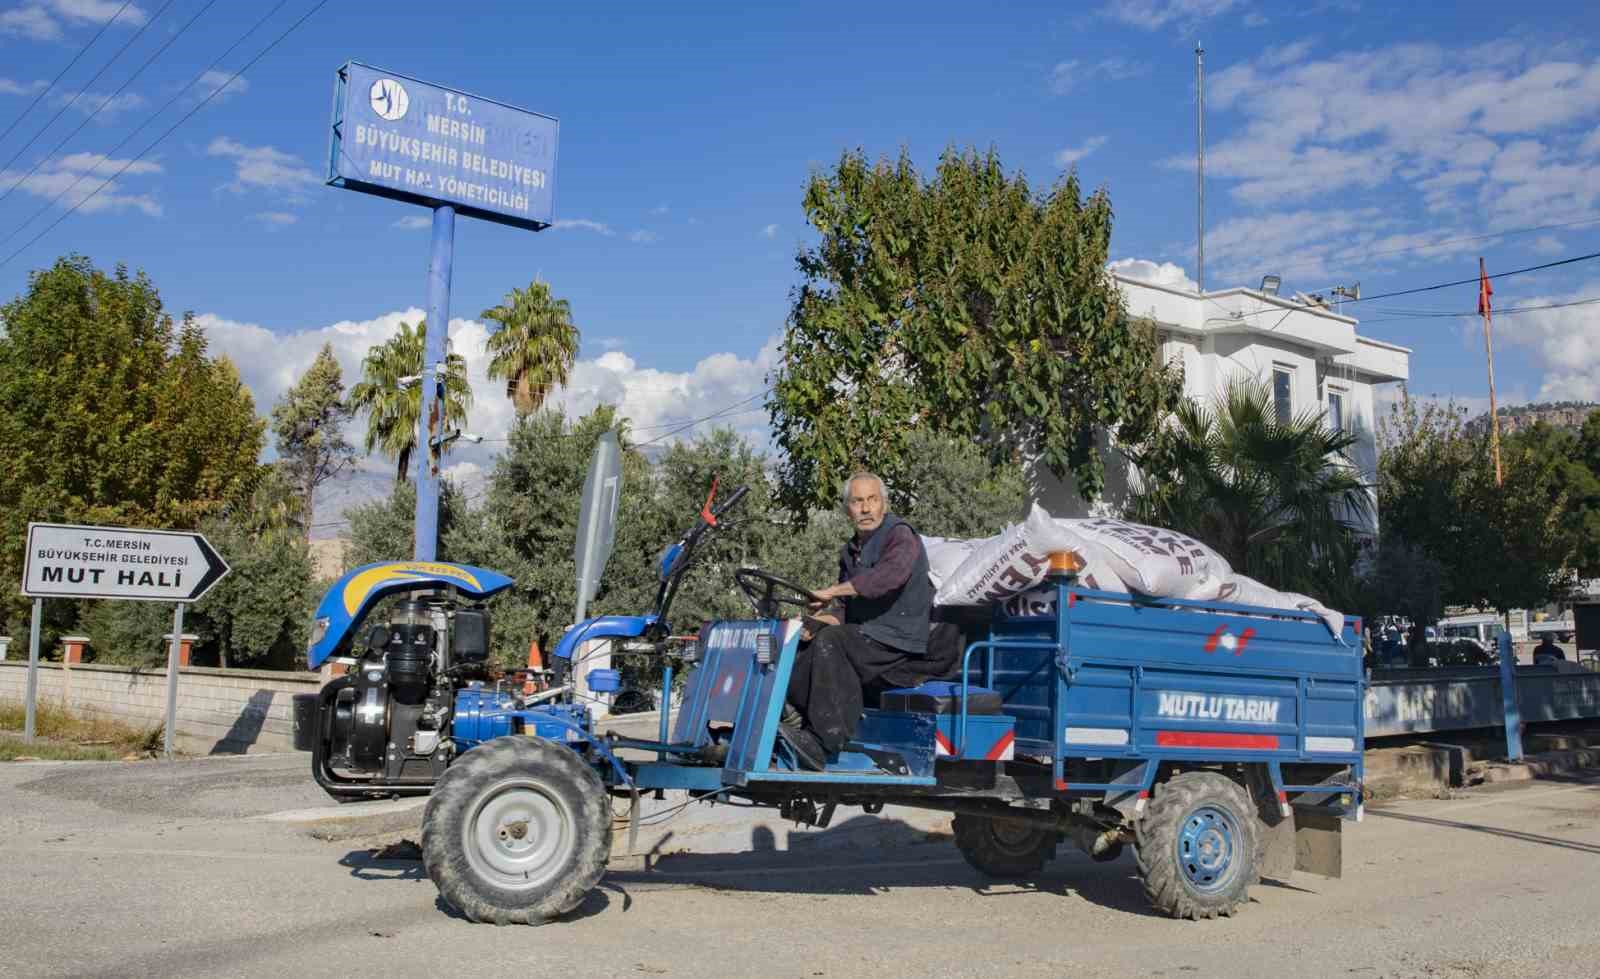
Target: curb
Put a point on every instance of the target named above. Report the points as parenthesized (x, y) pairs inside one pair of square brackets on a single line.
[(1542, 765), (343, 822)]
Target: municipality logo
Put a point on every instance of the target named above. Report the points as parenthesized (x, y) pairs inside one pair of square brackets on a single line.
[(389, 99)]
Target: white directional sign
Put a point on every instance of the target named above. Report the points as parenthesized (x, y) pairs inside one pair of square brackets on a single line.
[(66, 561)]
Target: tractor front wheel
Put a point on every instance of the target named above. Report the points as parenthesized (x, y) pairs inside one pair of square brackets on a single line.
[(517, 831)]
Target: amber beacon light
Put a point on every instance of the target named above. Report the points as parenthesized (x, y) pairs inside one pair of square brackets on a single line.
[(1065, 562)]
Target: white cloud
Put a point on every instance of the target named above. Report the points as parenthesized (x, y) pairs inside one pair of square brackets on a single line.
[(414, 222), (101, 105), (101, 165), (46, 20), (213, 81), (10, 87), (1547, 245), (1161, 274), (654, 400), (76, 177), (1152, 15), (1072, 154), (770, 231), (660, 209), (32, 22), (1465, 129), (1561, 342), (642, 237), (583, 224), (1067, 75), (263, 168), (274, 220)]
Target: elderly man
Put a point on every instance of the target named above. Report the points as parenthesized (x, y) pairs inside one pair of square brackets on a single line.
[(874, 629)]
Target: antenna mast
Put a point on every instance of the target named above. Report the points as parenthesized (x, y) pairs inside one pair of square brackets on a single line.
[(1200, 158)]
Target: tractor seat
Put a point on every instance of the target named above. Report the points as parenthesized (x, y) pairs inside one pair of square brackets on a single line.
[(940, 697)]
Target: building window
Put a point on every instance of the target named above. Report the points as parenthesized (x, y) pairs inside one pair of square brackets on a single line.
[(1283, 393), (1336, 412)]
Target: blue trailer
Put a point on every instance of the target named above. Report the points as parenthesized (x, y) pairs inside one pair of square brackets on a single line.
[(1222, 742)]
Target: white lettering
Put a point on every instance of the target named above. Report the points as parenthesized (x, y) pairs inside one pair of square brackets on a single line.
[(1250, 710)]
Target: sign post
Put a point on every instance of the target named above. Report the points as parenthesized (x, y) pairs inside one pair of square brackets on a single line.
[(409, 140), (33, 668), (74, 561)]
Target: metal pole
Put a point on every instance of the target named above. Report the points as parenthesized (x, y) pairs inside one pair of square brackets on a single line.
[(435, 342), (172, 680), (1200, 159), (1508, 697), (33, 669), (1494, 414)]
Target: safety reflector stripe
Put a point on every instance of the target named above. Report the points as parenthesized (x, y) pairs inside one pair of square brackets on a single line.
[(1004, 750), (942, 745), (1206, 739), (1331, 744), (1096, 735), (1144, 798)]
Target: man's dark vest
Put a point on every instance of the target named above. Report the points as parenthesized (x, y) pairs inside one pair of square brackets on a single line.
[(898, 619)]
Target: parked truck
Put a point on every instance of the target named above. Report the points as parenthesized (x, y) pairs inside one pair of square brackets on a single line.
[(1222, 743)]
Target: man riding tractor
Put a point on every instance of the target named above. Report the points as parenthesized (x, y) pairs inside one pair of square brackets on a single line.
[(868, 633)]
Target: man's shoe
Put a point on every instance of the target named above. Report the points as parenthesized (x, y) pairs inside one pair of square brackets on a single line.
[(791, 716), (805, 747)]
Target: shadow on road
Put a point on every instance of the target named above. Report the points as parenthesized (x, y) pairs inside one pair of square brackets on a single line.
[(1510, 834)]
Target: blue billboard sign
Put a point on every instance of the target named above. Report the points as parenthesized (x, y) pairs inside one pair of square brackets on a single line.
[(402, 138)]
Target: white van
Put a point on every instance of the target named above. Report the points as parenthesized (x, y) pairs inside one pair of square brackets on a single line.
[(1482, 629)]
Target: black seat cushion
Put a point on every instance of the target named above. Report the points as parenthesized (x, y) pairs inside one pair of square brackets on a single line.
[(940, 697)]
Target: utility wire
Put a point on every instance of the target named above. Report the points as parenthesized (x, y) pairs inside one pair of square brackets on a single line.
[(63, 72), (1591, 256), (1425, 246), (79, 94), (169, 131), (716, 414), (141, 127), (109, 98), (1395, 315)]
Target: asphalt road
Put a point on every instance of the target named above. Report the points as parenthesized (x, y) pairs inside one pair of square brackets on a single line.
[(163, 869)]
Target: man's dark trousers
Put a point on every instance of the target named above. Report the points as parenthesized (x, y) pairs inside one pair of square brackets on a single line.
[(830, 674)]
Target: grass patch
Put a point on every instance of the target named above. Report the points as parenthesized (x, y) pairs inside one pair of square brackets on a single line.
[(61, 735)]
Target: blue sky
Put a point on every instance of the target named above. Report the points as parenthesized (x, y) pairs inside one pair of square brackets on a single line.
[(1335, 131)]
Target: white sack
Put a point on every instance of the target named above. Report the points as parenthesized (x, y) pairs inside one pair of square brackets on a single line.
[(945, 555), (1153, 561), (1012, 561), (1248, 591)]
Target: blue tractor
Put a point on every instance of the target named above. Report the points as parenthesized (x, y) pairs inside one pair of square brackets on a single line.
[(1222, 742)]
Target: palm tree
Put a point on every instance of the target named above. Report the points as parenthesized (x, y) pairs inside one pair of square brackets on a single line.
[(392, 408), (1280, 500), (535, 346)]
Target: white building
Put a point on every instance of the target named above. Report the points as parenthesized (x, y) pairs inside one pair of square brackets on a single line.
[(1311, 357)]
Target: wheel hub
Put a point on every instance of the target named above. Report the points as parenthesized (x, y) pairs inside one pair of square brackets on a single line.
[(520, 835), (1205, 848)]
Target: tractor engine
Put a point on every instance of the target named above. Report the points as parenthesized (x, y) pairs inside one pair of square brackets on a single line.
[(384, 727)]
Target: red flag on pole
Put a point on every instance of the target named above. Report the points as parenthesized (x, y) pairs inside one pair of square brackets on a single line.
[(1485, 290)]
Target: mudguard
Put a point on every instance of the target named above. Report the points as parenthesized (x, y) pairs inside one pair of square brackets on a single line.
[(347, 602)]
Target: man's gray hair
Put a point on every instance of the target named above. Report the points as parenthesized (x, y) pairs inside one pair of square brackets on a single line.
[(844, 489)]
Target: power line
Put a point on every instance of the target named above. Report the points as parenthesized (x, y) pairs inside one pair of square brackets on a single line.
[(79, 94), (108, 99), (1425, 246), (169, 131), (1591, 256), (1421, 314), (152, 118), (63, 72), (716, 414)]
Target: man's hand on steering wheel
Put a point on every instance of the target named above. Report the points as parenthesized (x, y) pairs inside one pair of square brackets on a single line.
[(768, 593)]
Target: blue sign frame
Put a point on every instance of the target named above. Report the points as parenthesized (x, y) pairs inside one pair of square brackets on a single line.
[(406, 139)]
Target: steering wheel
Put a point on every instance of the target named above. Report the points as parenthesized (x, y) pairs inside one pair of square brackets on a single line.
[(768, 593)]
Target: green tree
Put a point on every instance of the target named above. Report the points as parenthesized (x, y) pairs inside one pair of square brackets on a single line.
[(949, 487), (308, 422), (528, 521), (393, 409), (1279, 499), (535, 346), (112, 414), (258, 614), (967, 304), (385, 530)]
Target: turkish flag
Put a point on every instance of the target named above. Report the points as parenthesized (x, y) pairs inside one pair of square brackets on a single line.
[(1485, 291)]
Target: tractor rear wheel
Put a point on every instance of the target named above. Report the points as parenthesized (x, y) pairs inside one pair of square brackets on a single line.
[(518, 831), (1004, 848), (1197, 846)]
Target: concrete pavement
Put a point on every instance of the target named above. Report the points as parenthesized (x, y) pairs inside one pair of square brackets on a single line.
[(157, 869)]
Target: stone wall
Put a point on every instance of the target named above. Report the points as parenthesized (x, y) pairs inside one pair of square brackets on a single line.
[(219, 711)]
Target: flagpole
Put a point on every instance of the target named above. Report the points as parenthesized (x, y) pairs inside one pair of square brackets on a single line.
[(1488, 348)]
